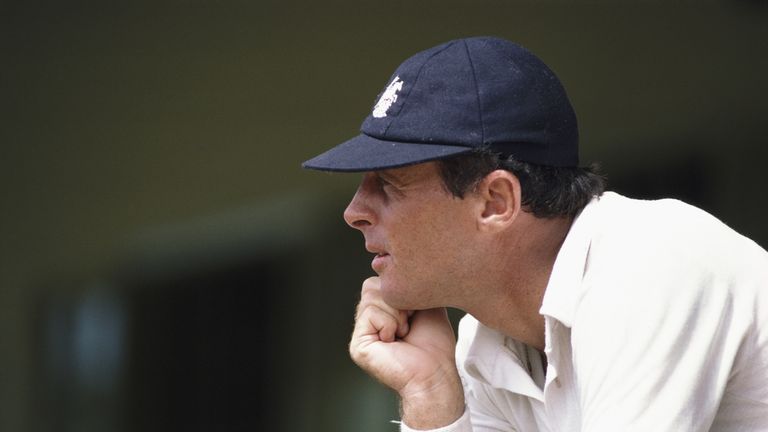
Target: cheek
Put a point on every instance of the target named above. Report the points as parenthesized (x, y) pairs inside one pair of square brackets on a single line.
[(429, 239), (414, 244), (429, 248)]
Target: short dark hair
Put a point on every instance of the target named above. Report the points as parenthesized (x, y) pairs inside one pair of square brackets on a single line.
[(547, 191)]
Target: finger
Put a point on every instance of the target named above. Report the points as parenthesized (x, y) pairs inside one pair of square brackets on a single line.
[(399, 317), (371, 297), (369, 294), (374, 321), (403, 324), (384, 324)]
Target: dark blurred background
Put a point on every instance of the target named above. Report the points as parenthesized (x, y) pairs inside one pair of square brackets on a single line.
[(166, 265)]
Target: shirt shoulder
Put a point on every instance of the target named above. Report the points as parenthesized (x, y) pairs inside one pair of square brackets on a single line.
[(654, 242)]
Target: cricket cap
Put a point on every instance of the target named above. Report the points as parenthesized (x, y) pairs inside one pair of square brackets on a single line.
[(480, 92)]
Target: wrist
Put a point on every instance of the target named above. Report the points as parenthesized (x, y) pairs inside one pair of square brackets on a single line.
[(434, 405)]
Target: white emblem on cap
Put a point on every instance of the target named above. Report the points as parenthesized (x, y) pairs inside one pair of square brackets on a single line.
[(387, 98)]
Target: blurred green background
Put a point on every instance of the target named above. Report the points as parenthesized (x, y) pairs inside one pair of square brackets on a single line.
[(166, 265)]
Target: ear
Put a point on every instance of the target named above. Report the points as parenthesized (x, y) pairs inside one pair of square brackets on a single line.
[(501, 199)]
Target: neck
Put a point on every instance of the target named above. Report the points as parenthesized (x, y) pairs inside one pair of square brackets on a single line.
[(516, 281)]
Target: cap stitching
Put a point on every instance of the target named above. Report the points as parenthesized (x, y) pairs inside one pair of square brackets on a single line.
[(477, 94), (418, 75)]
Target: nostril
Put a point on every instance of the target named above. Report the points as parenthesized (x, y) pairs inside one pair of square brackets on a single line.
[(360, 223), (358, 217)]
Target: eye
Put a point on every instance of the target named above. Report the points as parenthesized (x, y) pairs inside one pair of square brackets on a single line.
[(389, 189), (383, 182)]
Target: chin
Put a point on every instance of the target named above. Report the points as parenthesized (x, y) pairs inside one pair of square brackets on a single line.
[(393, 296), (400, 296)]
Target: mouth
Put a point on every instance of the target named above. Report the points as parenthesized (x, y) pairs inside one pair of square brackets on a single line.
[(375, 249), (380, 262)]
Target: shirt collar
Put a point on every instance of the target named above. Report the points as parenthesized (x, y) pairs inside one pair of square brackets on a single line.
[(564, 290), (500, 362)]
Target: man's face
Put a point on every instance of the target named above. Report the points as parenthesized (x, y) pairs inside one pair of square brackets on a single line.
[(421, 234)]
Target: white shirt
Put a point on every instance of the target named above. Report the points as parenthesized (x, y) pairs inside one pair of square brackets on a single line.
[(656, 319)]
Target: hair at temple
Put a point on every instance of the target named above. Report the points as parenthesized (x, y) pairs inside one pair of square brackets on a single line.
[(547, 191)]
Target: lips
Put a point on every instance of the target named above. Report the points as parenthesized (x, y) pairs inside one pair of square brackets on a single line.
[(381, 257), (380, 262)]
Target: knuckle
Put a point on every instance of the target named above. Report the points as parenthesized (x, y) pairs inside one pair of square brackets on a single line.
[(363, 309), (357, 356), (368, 294)]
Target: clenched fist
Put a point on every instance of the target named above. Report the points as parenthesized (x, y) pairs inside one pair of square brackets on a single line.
[(411, 352)]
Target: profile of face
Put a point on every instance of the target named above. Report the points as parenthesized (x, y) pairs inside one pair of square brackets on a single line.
[(419, 233)]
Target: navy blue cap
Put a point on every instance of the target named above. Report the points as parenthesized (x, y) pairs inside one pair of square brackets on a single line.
[(458, 96)]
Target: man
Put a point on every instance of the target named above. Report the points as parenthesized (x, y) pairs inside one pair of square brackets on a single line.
[(586, 311)]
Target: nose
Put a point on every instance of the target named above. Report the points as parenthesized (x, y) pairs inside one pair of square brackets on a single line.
[(359, 214)]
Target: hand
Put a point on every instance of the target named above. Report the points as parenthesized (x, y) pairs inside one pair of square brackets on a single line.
[(411, 352)]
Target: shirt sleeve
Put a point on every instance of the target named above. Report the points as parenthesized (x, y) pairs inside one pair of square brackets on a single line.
[(463, 424)]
